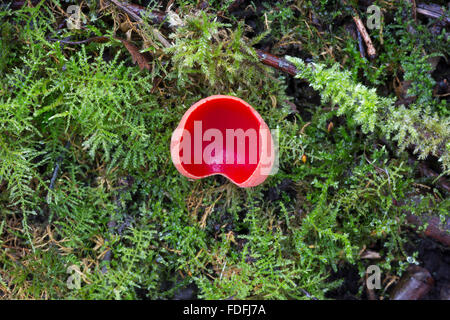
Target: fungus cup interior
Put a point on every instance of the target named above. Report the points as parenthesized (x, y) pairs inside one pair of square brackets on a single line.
[(221, 113)]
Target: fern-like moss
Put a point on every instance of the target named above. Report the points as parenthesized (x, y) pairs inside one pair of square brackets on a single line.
[(428, 134)]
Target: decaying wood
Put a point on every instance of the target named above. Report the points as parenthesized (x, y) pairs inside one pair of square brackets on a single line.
[(432, 11), (414, 285), (369, 254), (435, 229)]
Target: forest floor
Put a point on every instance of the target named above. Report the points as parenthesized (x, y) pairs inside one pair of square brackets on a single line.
[(91, 206)]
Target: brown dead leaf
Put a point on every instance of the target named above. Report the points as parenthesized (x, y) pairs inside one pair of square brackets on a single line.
[(136, 55)]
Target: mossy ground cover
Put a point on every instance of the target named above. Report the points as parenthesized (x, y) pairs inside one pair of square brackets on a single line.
[(86, 179)]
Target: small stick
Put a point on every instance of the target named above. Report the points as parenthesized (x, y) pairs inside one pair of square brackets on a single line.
[(57, 166), (432, 11), (362, 29), (135, 15), (276, 62), (361, 44), (55, 175), (360, 26), (306, 293), (100, 39)]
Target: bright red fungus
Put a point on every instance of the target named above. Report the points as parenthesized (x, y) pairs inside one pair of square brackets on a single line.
[(223, 135)]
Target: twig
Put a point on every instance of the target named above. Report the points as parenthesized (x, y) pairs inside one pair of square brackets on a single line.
[(306, 293), (432, 11), (136, 16), (362, 29), (360, 26), (277, 63), (156, 16), (101, 39), (57, 166), (361, 44), (46, 208)]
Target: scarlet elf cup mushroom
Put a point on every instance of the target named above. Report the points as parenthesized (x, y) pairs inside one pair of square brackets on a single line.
[(223, 135)]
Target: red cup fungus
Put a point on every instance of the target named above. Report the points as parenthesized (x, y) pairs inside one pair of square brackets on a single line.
[(223, 135)]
